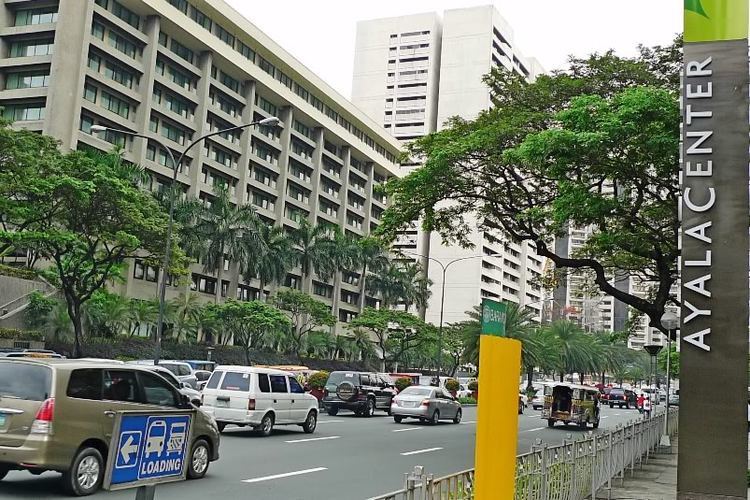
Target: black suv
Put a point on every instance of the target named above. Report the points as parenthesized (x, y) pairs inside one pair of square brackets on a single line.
[(621, 397), (360, 392)]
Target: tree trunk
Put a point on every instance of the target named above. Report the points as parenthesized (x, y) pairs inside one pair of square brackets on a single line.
[(262, 293), (247, 355), (580, 376), (219, 274), (362, 292), (562, 377), (530, 378), (602, 378), (74, 311)]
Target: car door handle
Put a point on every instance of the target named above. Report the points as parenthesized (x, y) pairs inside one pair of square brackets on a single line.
[(110, 413), (292, 401)]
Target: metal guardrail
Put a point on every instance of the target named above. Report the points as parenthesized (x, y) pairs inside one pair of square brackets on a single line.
[(573, 470)]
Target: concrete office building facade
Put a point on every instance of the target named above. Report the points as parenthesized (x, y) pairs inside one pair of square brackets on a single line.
[(411, 74), (174, 70)]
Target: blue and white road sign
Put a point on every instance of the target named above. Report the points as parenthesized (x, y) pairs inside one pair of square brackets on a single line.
[(150, 448)]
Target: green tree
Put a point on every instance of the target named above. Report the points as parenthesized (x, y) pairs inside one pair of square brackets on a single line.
[(306, 315), (313, 248), (362, 347), (185, 312), (106, 314), (142, 313), (396, 333), (91, 226), (594, 146), (40, 306), (574, 347), (320, 344), (415, 286), (674, 362), (371, 256), (248, 322), (225, 231), (274, 260)]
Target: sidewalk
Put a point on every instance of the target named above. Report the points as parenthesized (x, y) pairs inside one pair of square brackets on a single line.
[(657, 480)]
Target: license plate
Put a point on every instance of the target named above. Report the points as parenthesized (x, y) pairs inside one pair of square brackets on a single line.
[(2, 419), (222, 404), (410, 404)]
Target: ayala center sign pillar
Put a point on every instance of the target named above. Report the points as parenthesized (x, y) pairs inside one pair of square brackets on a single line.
[(714, 264)]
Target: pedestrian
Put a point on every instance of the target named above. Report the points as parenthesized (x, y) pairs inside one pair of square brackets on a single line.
[(639, 402), (647, 407)]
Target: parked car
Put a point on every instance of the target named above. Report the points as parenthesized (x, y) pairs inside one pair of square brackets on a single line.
[(360, 392), (182, 370), (32, 353), (428, 404), (202, 376), (56, 415), (197, 364), (260, 398), (624, 398), (464, 391), (192, 394)]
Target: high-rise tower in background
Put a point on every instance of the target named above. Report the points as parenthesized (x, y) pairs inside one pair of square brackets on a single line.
[(412, 73)]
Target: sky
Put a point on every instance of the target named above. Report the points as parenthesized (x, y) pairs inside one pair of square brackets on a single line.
[(321, 33)]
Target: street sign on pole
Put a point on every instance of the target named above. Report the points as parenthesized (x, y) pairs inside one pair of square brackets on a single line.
[(148, 448), (497, 411), (712, 461)]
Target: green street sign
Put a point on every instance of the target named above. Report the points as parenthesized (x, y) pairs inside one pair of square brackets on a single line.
[(712, 20), (493, 318)]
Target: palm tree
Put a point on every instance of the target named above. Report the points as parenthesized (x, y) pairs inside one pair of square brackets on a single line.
[(344, 255), (142, 312), (388, 284), (57, 323), (225, 231), (274, 260), (575, 348), (185, 313), (361, 345), (416, 286), (372, 257), (313, 248)]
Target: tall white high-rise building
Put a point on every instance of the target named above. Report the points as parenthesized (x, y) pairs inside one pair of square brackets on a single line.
[(412, 73)]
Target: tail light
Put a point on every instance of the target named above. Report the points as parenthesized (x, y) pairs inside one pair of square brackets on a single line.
[(425, 402), (250, 404), (43, 419)]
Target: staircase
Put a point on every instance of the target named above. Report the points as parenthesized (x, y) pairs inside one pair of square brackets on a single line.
[(14, 298)]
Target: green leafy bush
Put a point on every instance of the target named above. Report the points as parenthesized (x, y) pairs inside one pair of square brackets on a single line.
[(17, 272), (467, 401), (318, 380), (452, 385), (15, 334), (473, 385), (35, 314), (402, 383)]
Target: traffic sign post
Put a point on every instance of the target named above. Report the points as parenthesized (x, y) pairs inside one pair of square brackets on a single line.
[(497, 412), (148, 448)]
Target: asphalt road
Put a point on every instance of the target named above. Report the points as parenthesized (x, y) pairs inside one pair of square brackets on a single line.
[(347, 458)]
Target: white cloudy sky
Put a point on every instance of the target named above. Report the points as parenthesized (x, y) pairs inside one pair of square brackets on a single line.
[(320, 33)]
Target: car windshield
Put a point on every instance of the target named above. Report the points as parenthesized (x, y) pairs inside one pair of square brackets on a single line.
[(25, 381), (417, 391), (338, 377)]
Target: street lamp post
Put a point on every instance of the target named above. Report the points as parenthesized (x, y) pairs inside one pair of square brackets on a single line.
[(653, 350), (671, 322), (271, 121)]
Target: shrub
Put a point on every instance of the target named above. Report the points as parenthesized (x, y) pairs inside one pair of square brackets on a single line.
[(402, 383), (467, 401), (39, 307), (452, 385), (473, 385), (15, 334), (17, 272), (318, 380)]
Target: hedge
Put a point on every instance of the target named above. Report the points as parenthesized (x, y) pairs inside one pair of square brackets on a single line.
[(130, 348), (17, 272), (15, 334)]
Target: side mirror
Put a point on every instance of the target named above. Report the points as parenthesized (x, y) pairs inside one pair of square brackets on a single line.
[(184, 385), (185, 402)]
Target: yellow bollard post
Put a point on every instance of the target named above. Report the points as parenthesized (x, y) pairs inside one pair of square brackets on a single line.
[(497, 410)]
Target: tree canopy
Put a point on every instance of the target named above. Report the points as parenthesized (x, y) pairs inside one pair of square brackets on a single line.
[(594, 146)]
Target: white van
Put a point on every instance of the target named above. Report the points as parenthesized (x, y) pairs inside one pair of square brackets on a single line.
[(259, 398)]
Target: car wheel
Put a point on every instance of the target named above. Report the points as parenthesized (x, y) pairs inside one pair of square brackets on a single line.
[(435, 418), (398, 419), (369, 410), (311, 422), (550, 422), (200, 456), (266, 425), (621, 407), (520, 408), (457, 418), (332, 411), (582, 425), (221, 426), (611, 405), (85, 474)]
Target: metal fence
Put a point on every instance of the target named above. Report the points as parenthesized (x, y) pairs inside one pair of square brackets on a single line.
[(573, 470)]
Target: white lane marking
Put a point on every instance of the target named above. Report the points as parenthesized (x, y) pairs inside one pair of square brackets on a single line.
[(605, 416), (467, 422), (312, 439), (288, 474), (416, 452), (534, 430), (409, 429), (329, 421), (616, 414)]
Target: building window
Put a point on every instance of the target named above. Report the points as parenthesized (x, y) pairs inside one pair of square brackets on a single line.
[(292, 281), (265, 105), (173, 132), (27, 17), (182, 51), (119, 74), (123, 44), (28, 48), (138, 270), (229, 82), (27, 80), (23, 112), (115, 104), (224, 35), (180, 5), (126, 14), (89, 92), (246, 51), (322, 290), (200, 18)]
